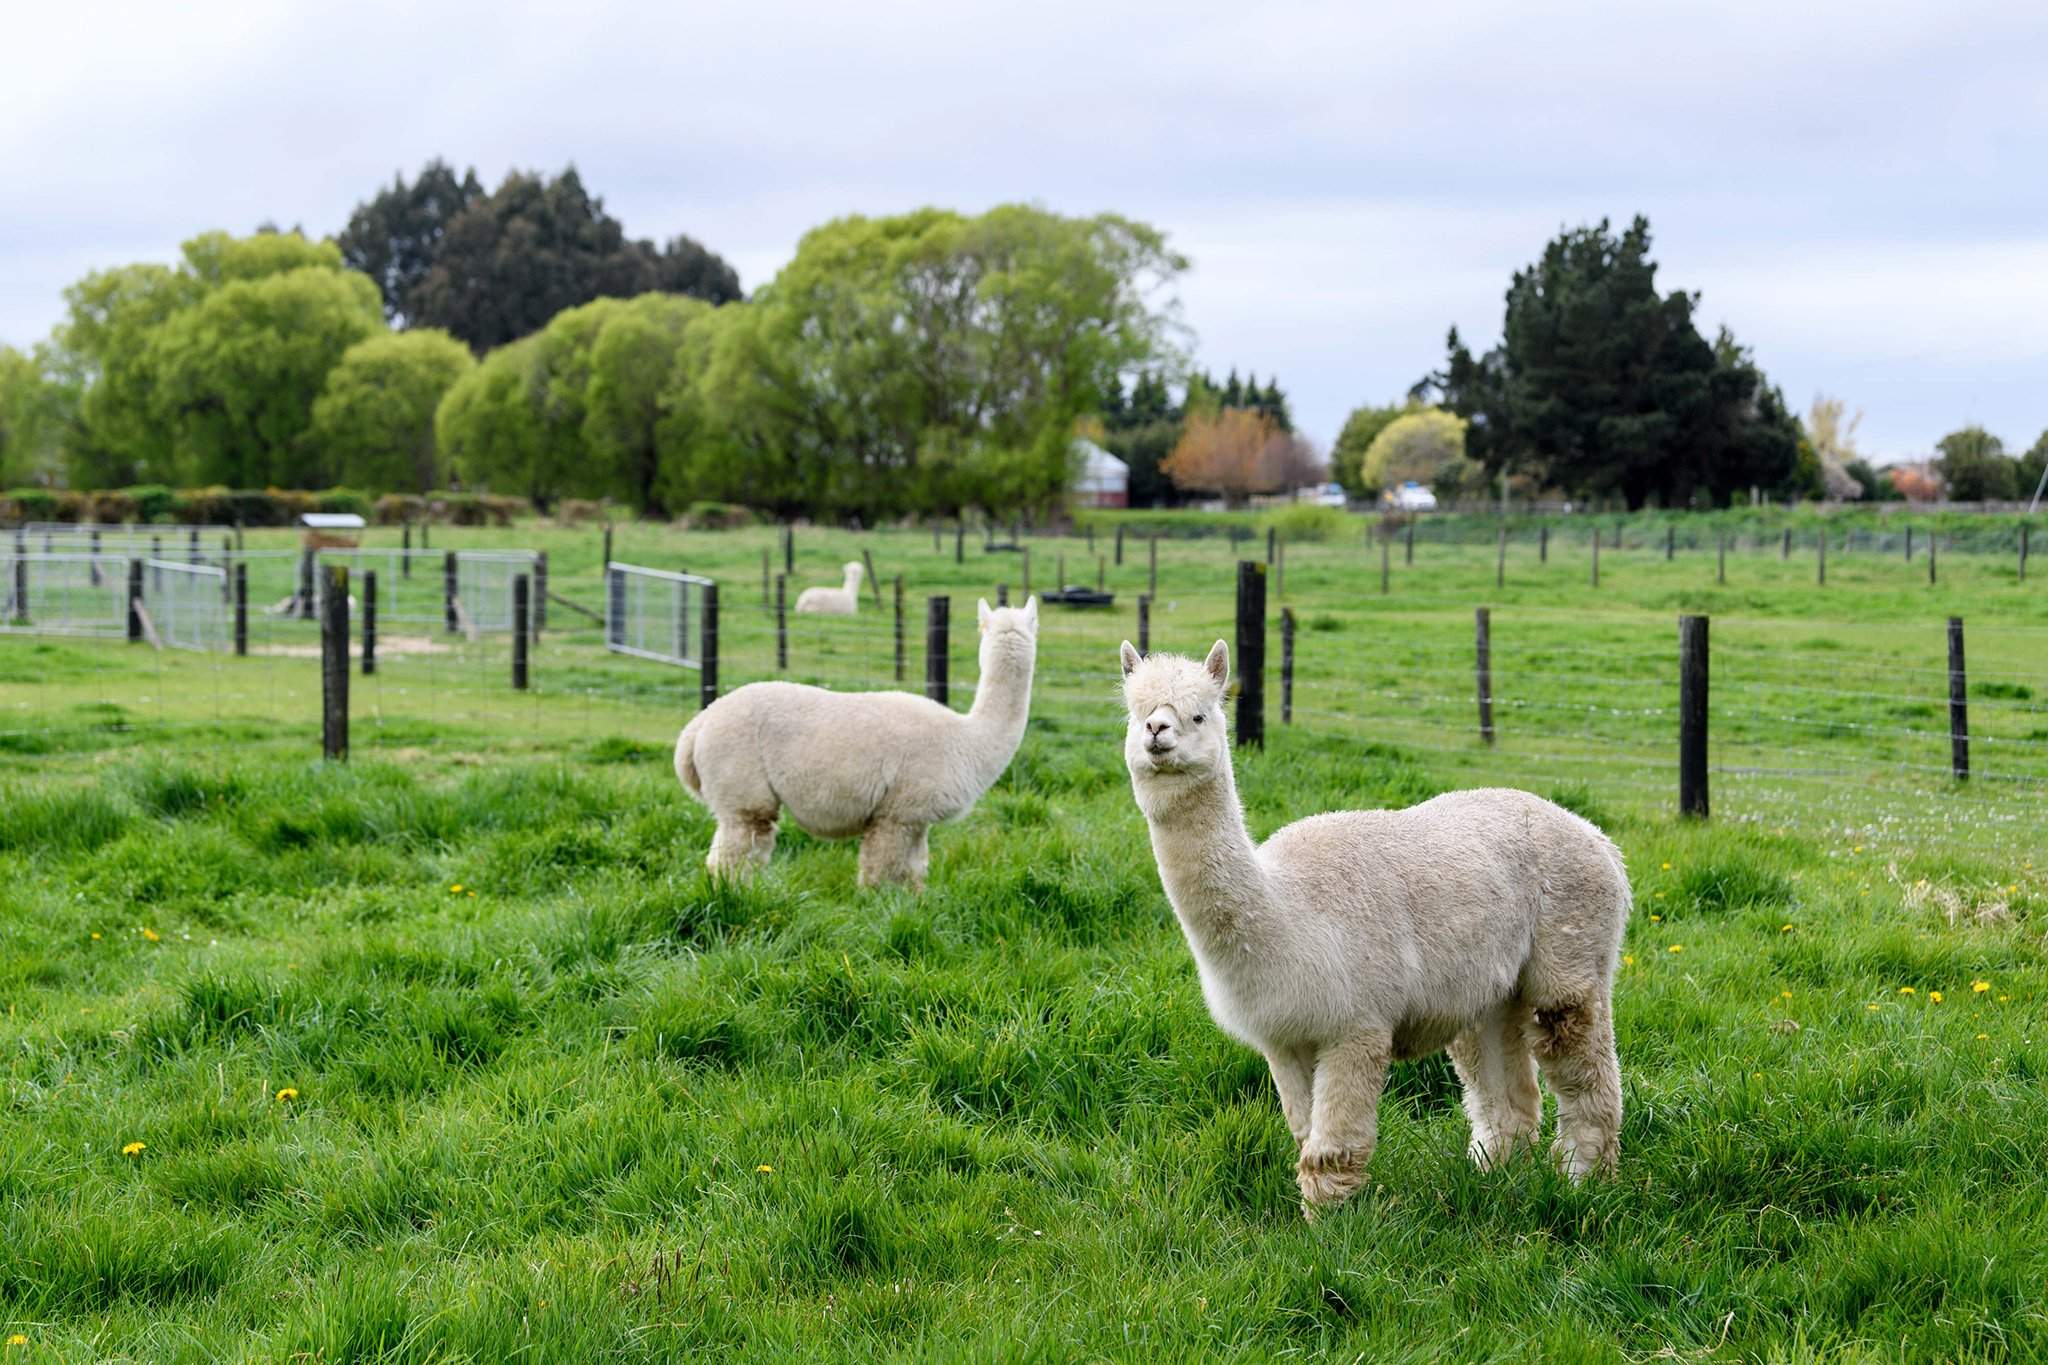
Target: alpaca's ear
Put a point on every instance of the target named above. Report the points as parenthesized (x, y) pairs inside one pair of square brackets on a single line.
[(1031, 609), (982, 617), (1218, 663), (1130, 657)]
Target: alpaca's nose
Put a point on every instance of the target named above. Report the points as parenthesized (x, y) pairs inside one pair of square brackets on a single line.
[(1156, 728)]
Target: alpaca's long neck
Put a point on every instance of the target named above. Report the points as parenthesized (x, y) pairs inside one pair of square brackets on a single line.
[(1002, 705), (1207, 860), (852, 584)]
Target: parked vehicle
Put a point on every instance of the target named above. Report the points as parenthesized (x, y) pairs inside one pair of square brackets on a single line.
[(1413, 497), (1331, 495)]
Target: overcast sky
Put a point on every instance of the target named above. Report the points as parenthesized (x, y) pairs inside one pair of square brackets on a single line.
[(1859, 191)]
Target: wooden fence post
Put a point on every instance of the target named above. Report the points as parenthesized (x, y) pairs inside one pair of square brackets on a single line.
[(899, 627), (307, 568), (1909, 543), (1026, 572), (1002, 594), (1596, 556), (782, 623), (1692, 716), (241, 611), (1272, 540), (1287, 665), (540, 594), (334, 664), (1958, 700), (1386, 565), (1670, 542), (1786, 552), (1720, 556), (707, 654), (874, 583), (607, 541), (1482, 621), (93, 566), (1144, 624), (1500, 566), (1251, 652), (134, 600), (369, 623), (1821, 565), (2023, 552), (789, 549), (960, 542), (936, 646), (1932, 541), (451, 582), (1408, 556), (1152, 571), (1543, 545), (522, 626), (405, 556), (156, 571), (1119, 547)]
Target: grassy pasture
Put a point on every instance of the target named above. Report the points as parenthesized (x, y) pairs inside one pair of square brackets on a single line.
[(592, 1106)]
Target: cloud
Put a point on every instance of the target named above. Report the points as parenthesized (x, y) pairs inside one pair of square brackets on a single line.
[(1852, 188)]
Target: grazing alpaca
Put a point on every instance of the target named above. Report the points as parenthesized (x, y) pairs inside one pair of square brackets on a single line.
[(884, 766), (1487, 921), (840, 601)]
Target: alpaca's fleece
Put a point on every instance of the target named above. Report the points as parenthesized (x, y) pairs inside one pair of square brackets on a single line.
[(1487, 921), (883, 766), (840, 601)]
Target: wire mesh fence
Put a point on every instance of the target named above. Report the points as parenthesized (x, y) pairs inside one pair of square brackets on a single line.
[(189, 606), (655, 614)]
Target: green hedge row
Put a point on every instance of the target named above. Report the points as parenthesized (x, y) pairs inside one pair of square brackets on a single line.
[(154, 504)]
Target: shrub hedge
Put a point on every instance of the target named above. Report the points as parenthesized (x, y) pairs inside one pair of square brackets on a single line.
[(155, 504)]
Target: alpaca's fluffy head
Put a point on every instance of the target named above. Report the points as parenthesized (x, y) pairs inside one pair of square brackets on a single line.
[(854, 573), (1176, 715), (1008, 634)]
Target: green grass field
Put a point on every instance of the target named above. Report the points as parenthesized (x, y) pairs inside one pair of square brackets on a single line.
[(452, 1053)]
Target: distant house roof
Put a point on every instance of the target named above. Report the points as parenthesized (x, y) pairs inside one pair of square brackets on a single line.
[(1099, 468), (331, 521)]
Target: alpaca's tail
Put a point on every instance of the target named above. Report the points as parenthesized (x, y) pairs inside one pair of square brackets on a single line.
[(686, 758)]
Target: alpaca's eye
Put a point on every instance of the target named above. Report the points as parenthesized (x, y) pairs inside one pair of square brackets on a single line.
[(1198, 717)]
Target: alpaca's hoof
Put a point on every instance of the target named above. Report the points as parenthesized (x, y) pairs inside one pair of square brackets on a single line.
[(1576, 1162), (1328, 1177)]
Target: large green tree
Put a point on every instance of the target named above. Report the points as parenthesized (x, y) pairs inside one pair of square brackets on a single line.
[(1361, 429), (395, 237), (507, 263), (373, 423), (32, 414), (2032, 466), (633, 357), (922, 362), (1974, 466), (205, 371), (238, 373), (1602, 386)]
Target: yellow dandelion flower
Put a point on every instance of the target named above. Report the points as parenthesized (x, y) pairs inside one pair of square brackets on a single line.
[(1980, 986), (1784, 995), (1627, 960), (1676, 948), (1660, 895), (1982, 1036), (765, 1170), (456, 889), (1857, 849), (152, 935), (134, 1149), (2003, 998), (1934, 996), (95, 938), (288, 1093), (1784, 928), (1905, 990), (1667, 867), (1872, 1007), (2010, 889), (17, 1340)]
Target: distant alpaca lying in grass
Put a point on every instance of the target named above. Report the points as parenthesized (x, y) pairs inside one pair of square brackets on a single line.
[(1486, 920), (885, 766), (840, 601)]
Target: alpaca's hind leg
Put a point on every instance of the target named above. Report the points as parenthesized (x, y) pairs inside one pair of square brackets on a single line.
[(1501, 1100), (742, 843), (1344, 1119), (1574, 1044), (891, 852), (1294, 1075)]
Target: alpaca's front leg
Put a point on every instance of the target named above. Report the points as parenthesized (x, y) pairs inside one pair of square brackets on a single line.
[(1344, 1123), (1294, 1074)]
